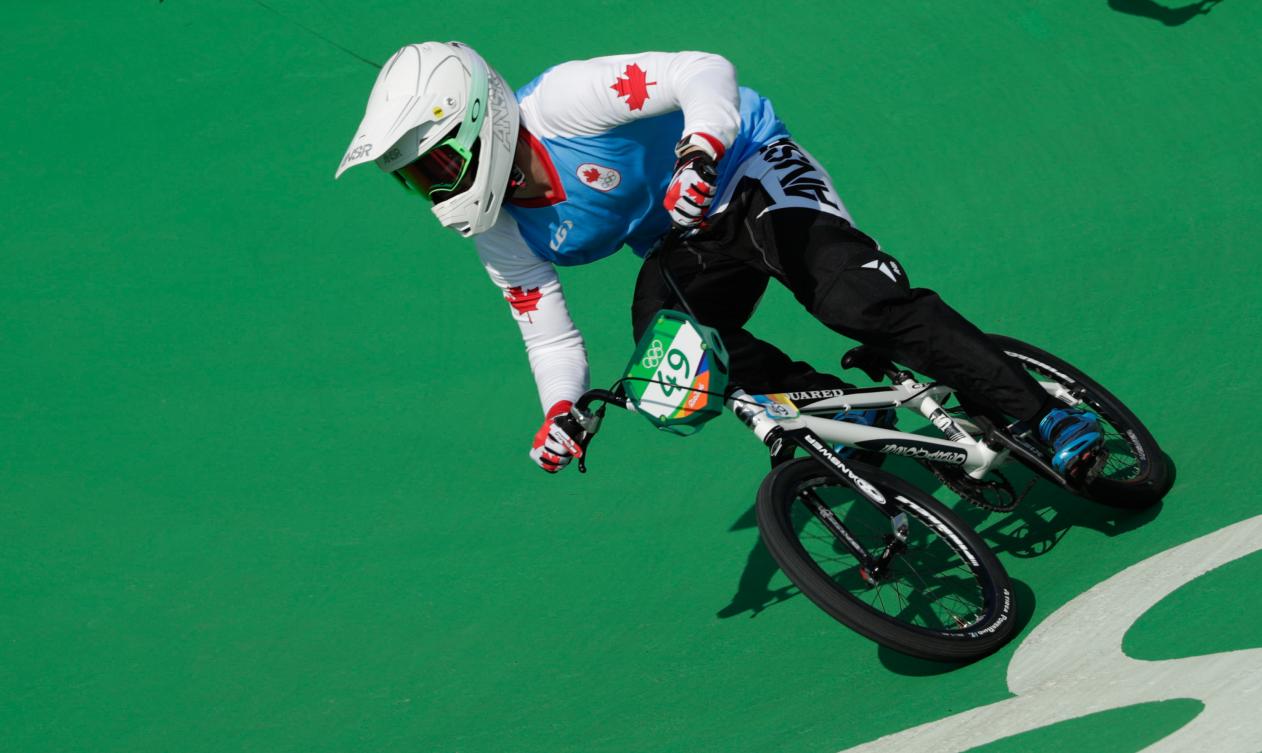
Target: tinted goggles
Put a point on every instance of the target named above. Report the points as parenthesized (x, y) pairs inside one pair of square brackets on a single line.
[(438, 171)]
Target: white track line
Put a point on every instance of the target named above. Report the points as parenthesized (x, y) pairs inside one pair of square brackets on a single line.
[(1072, 665)]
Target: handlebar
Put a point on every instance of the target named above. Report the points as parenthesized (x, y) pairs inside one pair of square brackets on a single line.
[(604, 396), (582, 422)]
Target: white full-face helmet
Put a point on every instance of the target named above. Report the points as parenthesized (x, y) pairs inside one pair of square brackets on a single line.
[(443, 123)]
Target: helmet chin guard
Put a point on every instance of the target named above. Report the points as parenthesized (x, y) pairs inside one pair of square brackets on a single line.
[(425, 92)]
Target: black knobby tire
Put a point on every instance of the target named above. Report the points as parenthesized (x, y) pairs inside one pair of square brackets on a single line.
[(945, 598), (1137, 473)]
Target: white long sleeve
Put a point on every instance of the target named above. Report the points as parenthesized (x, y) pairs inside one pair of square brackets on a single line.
[(588, 97), (554, 346)]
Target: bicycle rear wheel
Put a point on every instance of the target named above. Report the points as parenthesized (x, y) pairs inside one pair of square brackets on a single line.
[(1137, 473), (945, 597)]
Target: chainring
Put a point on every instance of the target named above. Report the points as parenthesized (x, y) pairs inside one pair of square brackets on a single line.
[(995, 495)]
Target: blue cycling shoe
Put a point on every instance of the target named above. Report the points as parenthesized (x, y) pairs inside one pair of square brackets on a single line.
[(881, 418), (1073, 434)]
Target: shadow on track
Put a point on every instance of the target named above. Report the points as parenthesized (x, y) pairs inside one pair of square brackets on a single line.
[(1040, 521), (1164, 14), (754, 592)]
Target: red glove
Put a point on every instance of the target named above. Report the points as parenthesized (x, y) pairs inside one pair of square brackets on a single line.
[(558, 440), (692, 188)]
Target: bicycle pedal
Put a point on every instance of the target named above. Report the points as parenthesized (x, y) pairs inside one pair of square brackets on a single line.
[(1088, 467), (1097, 465)]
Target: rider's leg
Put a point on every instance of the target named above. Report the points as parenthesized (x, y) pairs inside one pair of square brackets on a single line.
[(723, 293), (784, 217), (848, 283)]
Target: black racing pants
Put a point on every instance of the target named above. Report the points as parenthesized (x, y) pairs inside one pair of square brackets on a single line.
[(843, 278)]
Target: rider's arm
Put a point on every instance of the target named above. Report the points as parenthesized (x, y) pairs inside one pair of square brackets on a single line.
[(554, 345), (589, 97)]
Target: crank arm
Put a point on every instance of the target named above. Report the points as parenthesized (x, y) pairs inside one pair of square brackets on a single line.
[(1026, 455)]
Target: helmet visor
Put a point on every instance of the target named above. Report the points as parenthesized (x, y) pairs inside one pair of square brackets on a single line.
[(442, 172)]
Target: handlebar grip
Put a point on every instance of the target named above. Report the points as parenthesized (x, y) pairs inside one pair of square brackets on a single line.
[(574, 428)]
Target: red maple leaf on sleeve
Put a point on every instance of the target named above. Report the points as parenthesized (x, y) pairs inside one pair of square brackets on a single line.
[(634, 85), (591, 175), (523, 300)]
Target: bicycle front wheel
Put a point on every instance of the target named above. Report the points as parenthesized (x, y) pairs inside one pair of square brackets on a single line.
[(943, 596)]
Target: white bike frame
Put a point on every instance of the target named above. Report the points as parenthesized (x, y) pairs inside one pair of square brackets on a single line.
[(763, 413)]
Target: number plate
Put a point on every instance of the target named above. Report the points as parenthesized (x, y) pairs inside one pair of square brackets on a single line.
[(678, 373)]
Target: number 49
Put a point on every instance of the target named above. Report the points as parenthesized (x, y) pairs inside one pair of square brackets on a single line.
[(680, 369)]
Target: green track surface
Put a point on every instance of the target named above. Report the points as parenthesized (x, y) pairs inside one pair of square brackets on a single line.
[(263, 473)]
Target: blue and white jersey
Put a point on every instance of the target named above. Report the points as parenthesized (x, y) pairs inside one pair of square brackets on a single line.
[(606, 131), (609, 185)]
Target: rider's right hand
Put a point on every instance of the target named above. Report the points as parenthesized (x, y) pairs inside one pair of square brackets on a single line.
[(558, 440), (692, 187)]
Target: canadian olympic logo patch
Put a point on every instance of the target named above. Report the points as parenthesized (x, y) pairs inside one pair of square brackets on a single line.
[(599, 177)]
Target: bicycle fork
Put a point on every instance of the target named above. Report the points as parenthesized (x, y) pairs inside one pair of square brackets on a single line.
[(774, 424)]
